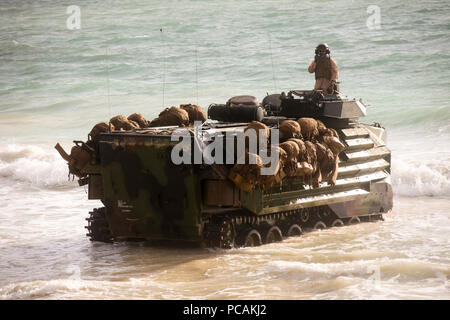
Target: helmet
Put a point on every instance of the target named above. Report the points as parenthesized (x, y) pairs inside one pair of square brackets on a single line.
[(322, 46)]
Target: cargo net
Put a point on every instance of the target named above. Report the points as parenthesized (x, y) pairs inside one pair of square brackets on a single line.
[(182, 116), (83, 152), (308, 151)]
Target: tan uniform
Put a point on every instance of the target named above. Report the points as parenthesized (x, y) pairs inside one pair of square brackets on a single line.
[(326, 70)]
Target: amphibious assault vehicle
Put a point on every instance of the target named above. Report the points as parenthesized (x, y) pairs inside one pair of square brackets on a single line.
[(146, 196)]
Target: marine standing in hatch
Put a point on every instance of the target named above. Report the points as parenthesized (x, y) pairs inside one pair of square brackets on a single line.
[(325, 68)]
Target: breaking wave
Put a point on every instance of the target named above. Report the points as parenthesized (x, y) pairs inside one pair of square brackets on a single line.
[(421, 178), (34, 166), (407, 268)]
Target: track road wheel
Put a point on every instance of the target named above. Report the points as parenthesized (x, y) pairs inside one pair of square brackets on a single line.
[(304, 216), (320, 225), (294, 231), (354, 220), (250, 238), (337, 223), (273, 234)]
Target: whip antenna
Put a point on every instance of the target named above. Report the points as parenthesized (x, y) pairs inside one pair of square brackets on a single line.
[(196, 69), (164, 64), (107, 84), (271, 59)]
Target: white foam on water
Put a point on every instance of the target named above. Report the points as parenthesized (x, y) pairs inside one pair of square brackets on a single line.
[(421, 177), (385, 270), (58, 289), (33, 166)]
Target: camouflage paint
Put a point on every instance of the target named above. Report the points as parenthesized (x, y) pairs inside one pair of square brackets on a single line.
[(147, 192)]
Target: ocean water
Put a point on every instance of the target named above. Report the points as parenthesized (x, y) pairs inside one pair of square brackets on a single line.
[(56, 83)]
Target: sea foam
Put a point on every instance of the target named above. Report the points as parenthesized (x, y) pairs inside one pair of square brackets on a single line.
[(421, 177), (33, 165)]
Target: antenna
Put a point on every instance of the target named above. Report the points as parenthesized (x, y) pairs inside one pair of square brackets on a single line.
[(107, 73), (196, 69), (271, 59), (164, 64)]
